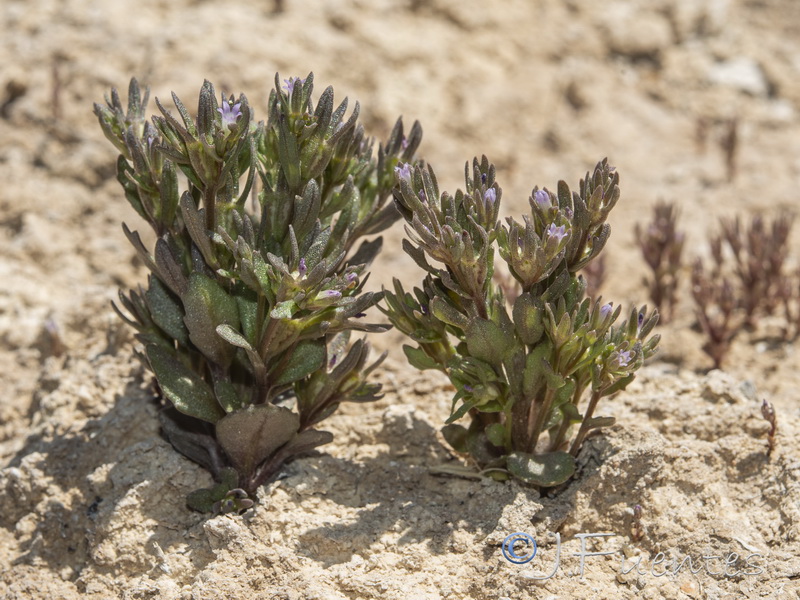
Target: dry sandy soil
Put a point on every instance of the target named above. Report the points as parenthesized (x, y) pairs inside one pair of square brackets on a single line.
[(91, 497)]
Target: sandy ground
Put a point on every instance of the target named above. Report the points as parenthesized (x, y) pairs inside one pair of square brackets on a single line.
[(92, 499)]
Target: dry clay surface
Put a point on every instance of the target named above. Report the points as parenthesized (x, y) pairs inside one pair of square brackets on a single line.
[(92, 498)]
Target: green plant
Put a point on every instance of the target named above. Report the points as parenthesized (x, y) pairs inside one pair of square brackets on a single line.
[(247, 314), (523, 361)]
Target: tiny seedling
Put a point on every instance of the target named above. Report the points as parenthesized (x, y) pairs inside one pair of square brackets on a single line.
[(768, 412)]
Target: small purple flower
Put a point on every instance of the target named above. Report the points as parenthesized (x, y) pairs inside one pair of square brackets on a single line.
[(483, 177), (230, 114), (329, 295), (640, 322), (559, 232), (422, 195), (404, 143), (403, 171), (468, 388), (302, 267), (290, 83), (542, 199), (332, 362), (624, 358), (351, 279), (490, 196), (605, 310)]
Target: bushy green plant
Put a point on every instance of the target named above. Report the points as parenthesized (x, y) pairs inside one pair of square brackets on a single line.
[(247, 313), (522, 361)]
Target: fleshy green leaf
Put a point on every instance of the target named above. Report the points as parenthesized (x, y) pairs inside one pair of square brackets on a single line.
[(307, 357), (251, 435), (166, 311), (456, 436), (546, 470), (487, 342), (207, 307), (183, 387), (496, 434), (528, 319), (418, 359)]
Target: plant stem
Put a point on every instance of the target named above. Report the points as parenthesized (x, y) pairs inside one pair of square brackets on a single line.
[(535, 425), (584, 430), (565, 424)]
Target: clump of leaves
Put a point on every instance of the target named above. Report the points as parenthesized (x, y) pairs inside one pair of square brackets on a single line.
[(715, 306), (759, 253), (247, 314), (662, 247), (522, 360), (745, 282)]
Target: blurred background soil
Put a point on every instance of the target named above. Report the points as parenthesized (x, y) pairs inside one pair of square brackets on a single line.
[(91, 498)]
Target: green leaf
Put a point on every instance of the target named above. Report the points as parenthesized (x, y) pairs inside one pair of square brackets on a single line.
[(227, 333), (619, 385), (251, 435), (456, 436), (207, 307), (598, 422), (460, 411), (203, 500), (247, 302), (546, 470), (528, 319), (418, 359), (166, 311), (183, 387), (284, 310), (487, 342), (307, 357), (446, 313), (226, 395), (496, 434), (305, 441), (535, 365)]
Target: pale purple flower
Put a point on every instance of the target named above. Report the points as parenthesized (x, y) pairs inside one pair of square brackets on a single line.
[(403, 171), (542, 199), (490, 196), (302, 267), (404, 143), (230, 114), (329, 295), (557, 231), (624, 358), (605, 310), (289, 84)]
